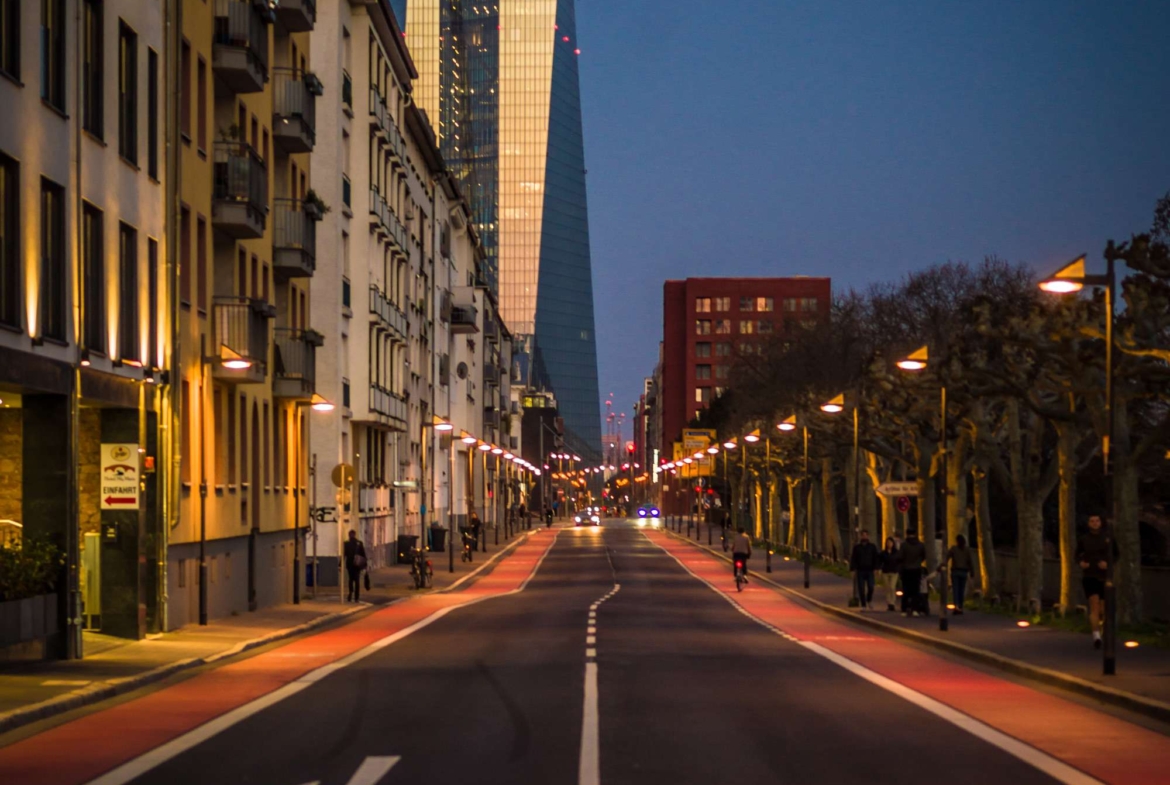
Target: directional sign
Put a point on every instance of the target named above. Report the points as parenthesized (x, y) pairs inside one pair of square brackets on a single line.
[(898, 489), (119, 478)]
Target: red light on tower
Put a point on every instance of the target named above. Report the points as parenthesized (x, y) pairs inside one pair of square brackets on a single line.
[(630, 447), (565, 38)]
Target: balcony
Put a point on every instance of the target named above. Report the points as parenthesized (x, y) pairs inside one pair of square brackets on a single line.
[(387, 315), (491, 330), (379, 213), (491, 375), (396, 231), (294, 245), (379, 114), (346, 93), (463, 320), (395, 142), (298, 16), (240, 339), (387, 408), (294, 373), (239, 191), (240, 52), (294, 113)]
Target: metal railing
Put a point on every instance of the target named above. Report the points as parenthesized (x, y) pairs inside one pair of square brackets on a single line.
[(239, 23), (379, 114), (291, 99), (387, 312), (379, 210), (295, 230), (386, 403), (241, 324), (395, 229), (240, 175), (296, 355)]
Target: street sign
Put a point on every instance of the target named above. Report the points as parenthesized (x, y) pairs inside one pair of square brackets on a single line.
[(119, 477), (342, 475), (903, 504), (898, 489)]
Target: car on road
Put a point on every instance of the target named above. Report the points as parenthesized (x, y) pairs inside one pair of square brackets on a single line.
[(587, 517), (647, 511)]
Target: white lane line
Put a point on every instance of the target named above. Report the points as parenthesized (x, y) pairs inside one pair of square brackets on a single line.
[(591, 630), (1053, 767), (373, 769), (589, 768), (590, 640), (136, 767), (591, 652)]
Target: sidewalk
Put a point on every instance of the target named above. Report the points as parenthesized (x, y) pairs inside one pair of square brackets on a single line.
[(1066, 659), (112, 666)]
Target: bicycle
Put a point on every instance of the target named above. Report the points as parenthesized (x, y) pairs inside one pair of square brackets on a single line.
[(420, 569), (740, 574), (468, 540)]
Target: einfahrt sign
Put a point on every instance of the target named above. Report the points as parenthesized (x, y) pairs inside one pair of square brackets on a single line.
[(119, 480)]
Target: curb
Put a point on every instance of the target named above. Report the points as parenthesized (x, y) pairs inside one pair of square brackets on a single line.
[(101, 691), (1147, 706)]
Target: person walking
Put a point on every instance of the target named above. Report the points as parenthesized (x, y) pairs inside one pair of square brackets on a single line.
[(475, 526), (864, 559), (354, 553), (912, 556), (962, 564), (1094, 549), (523, 515), (890, 563), (548, 515)]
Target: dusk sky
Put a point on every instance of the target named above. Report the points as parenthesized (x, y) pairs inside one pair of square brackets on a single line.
[(858, 140)]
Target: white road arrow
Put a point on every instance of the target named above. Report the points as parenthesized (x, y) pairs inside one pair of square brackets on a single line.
[(372, 770)]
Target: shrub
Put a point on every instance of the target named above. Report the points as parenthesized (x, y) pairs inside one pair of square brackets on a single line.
[(28, 571)]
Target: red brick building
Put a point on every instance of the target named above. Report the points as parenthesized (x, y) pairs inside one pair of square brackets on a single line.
[(709, 322)]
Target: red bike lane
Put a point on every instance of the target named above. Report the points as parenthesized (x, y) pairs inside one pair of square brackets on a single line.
[(1105, 747), (81, 750)]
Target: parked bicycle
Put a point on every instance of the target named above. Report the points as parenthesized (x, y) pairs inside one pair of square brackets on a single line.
[(420, 569)]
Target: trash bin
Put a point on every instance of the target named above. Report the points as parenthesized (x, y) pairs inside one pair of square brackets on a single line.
[(438, 538), (405, 543)]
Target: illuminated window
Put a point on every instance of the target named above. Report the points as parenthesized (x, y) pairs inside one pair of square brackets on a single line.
[(702, 395), (702, 327), (764, 304), (723, 327), (747, 327), (702, 305), (722, 304)]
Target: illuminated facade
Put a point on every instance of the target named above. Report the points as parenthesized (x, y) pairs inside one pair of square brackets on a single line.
[(501, 88)]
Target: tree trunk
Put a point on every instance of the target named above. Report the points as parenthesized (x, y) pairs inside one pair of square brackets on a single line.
[(832, 530), (758, 495), (1031, 539), (987, 575), (869, 499), (1128, 572), (957, 515), (796, 519), (926, 503), (1066, 446), (812, 529)]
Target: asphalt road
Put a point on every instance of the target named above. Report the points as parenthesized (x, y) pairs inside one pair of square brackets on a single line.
[(690, 690)]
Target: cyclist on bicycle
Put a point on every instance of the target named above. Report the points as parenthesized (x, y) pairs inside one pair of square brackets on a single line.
[(741, 551)]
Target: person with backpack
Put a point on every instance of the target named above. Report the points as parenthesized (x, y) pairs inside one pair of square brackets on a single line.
[(354, 554), (912, 557)]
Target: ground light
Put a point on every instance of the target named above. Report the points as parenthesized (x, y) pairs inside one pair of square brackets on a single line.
[(1131, 644), (1022, 624)]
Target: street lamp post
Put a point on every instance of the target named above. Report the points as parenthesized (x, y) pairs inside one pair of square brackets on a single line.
[(318, 404), (836, 406), (1067, 280)]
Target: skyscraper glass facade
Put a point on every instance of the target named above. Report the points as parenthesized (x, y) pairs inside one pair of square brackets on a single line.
[(502, 89)]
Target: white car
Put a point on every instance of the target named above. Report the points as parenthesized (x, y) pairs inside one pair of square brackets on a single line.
[(588, 517)]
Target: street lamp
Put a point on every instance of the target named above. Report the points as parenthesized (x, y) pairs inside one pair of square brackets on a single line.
[(441, 425), (1067, 280), (836, 406), (912, 364), (317, 403)]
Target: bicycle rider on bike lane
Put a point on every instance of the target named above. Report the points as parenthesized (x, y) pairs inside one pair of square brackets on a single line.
[(741, 550)]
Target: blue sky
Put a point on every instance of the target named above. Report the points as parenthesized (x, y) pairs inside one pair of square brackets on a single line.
[(857, 139)]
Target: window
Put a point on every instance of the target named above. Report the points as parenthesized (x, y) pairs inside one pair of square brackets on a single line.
[(702, 371), (186, 453), (345, 393), (231, 439), (10, 37), (345, 192), (703, 349), (722, 350), (201, 104), (747, 303), (808, 305), (723, 327), (128, 293), (10, 261), (152, 113), (702, 305), (764, 304), (764, 327), (199, 280), (722, 304), (127, 93), (703, 395), (93, 284), (53, 52), (702, 327), (152, 357), (244, 438), (747, 327), (185, 256), (722, 371), (53, 275), (185, 90), (266, 477), (91, 69)]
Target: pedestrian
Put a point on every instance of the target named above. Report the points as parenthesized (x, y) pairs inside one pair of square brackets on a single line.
[(476, 526), (912, 556), (1093, 553), (355, 562), (962, 565), (864, 559), (523, 515), (548, 515), (890, 564)]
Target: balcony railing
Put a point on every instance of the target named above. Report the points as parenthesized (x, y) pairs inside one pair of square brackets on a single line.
[(294, 110), (347, 93), (387, 313), (387, 406), (239, 190), (295, 243), (379, 212), (298, 16), (240, 54), (241, 336), (379, 114), (396, 230), (491, 330), (395, 141), (295, 362)]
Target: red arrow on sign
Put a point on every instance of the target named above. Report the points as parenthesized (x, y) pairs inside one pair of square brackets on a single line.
[(120, 500)]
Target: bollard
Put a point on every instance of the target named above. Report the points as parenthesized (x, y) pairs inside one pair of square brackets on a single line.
[(942, 598), (807, 565)]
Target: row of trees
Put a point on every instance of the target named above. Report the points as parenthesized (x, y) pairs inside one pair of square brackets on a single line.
[(1024, 373)]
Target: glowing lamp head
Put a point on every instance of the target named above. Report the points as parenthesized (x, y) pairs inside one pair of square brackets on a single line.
[(713, 450), (485, 447), (911, 365), (1058, 286), (497, 451), (237, 364), (834, 406), (1067, 279), (786, 426), (752, 437), (1131, 644), (469, 439), (729, 445), (1023, 624)]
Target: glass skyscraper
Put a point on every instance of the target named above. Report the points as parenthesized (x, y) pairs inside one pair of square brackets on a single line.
[(500, 84)]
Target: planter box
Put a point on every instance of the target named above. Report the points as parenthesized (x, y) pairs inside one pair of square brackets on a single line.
[(30, 619)]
